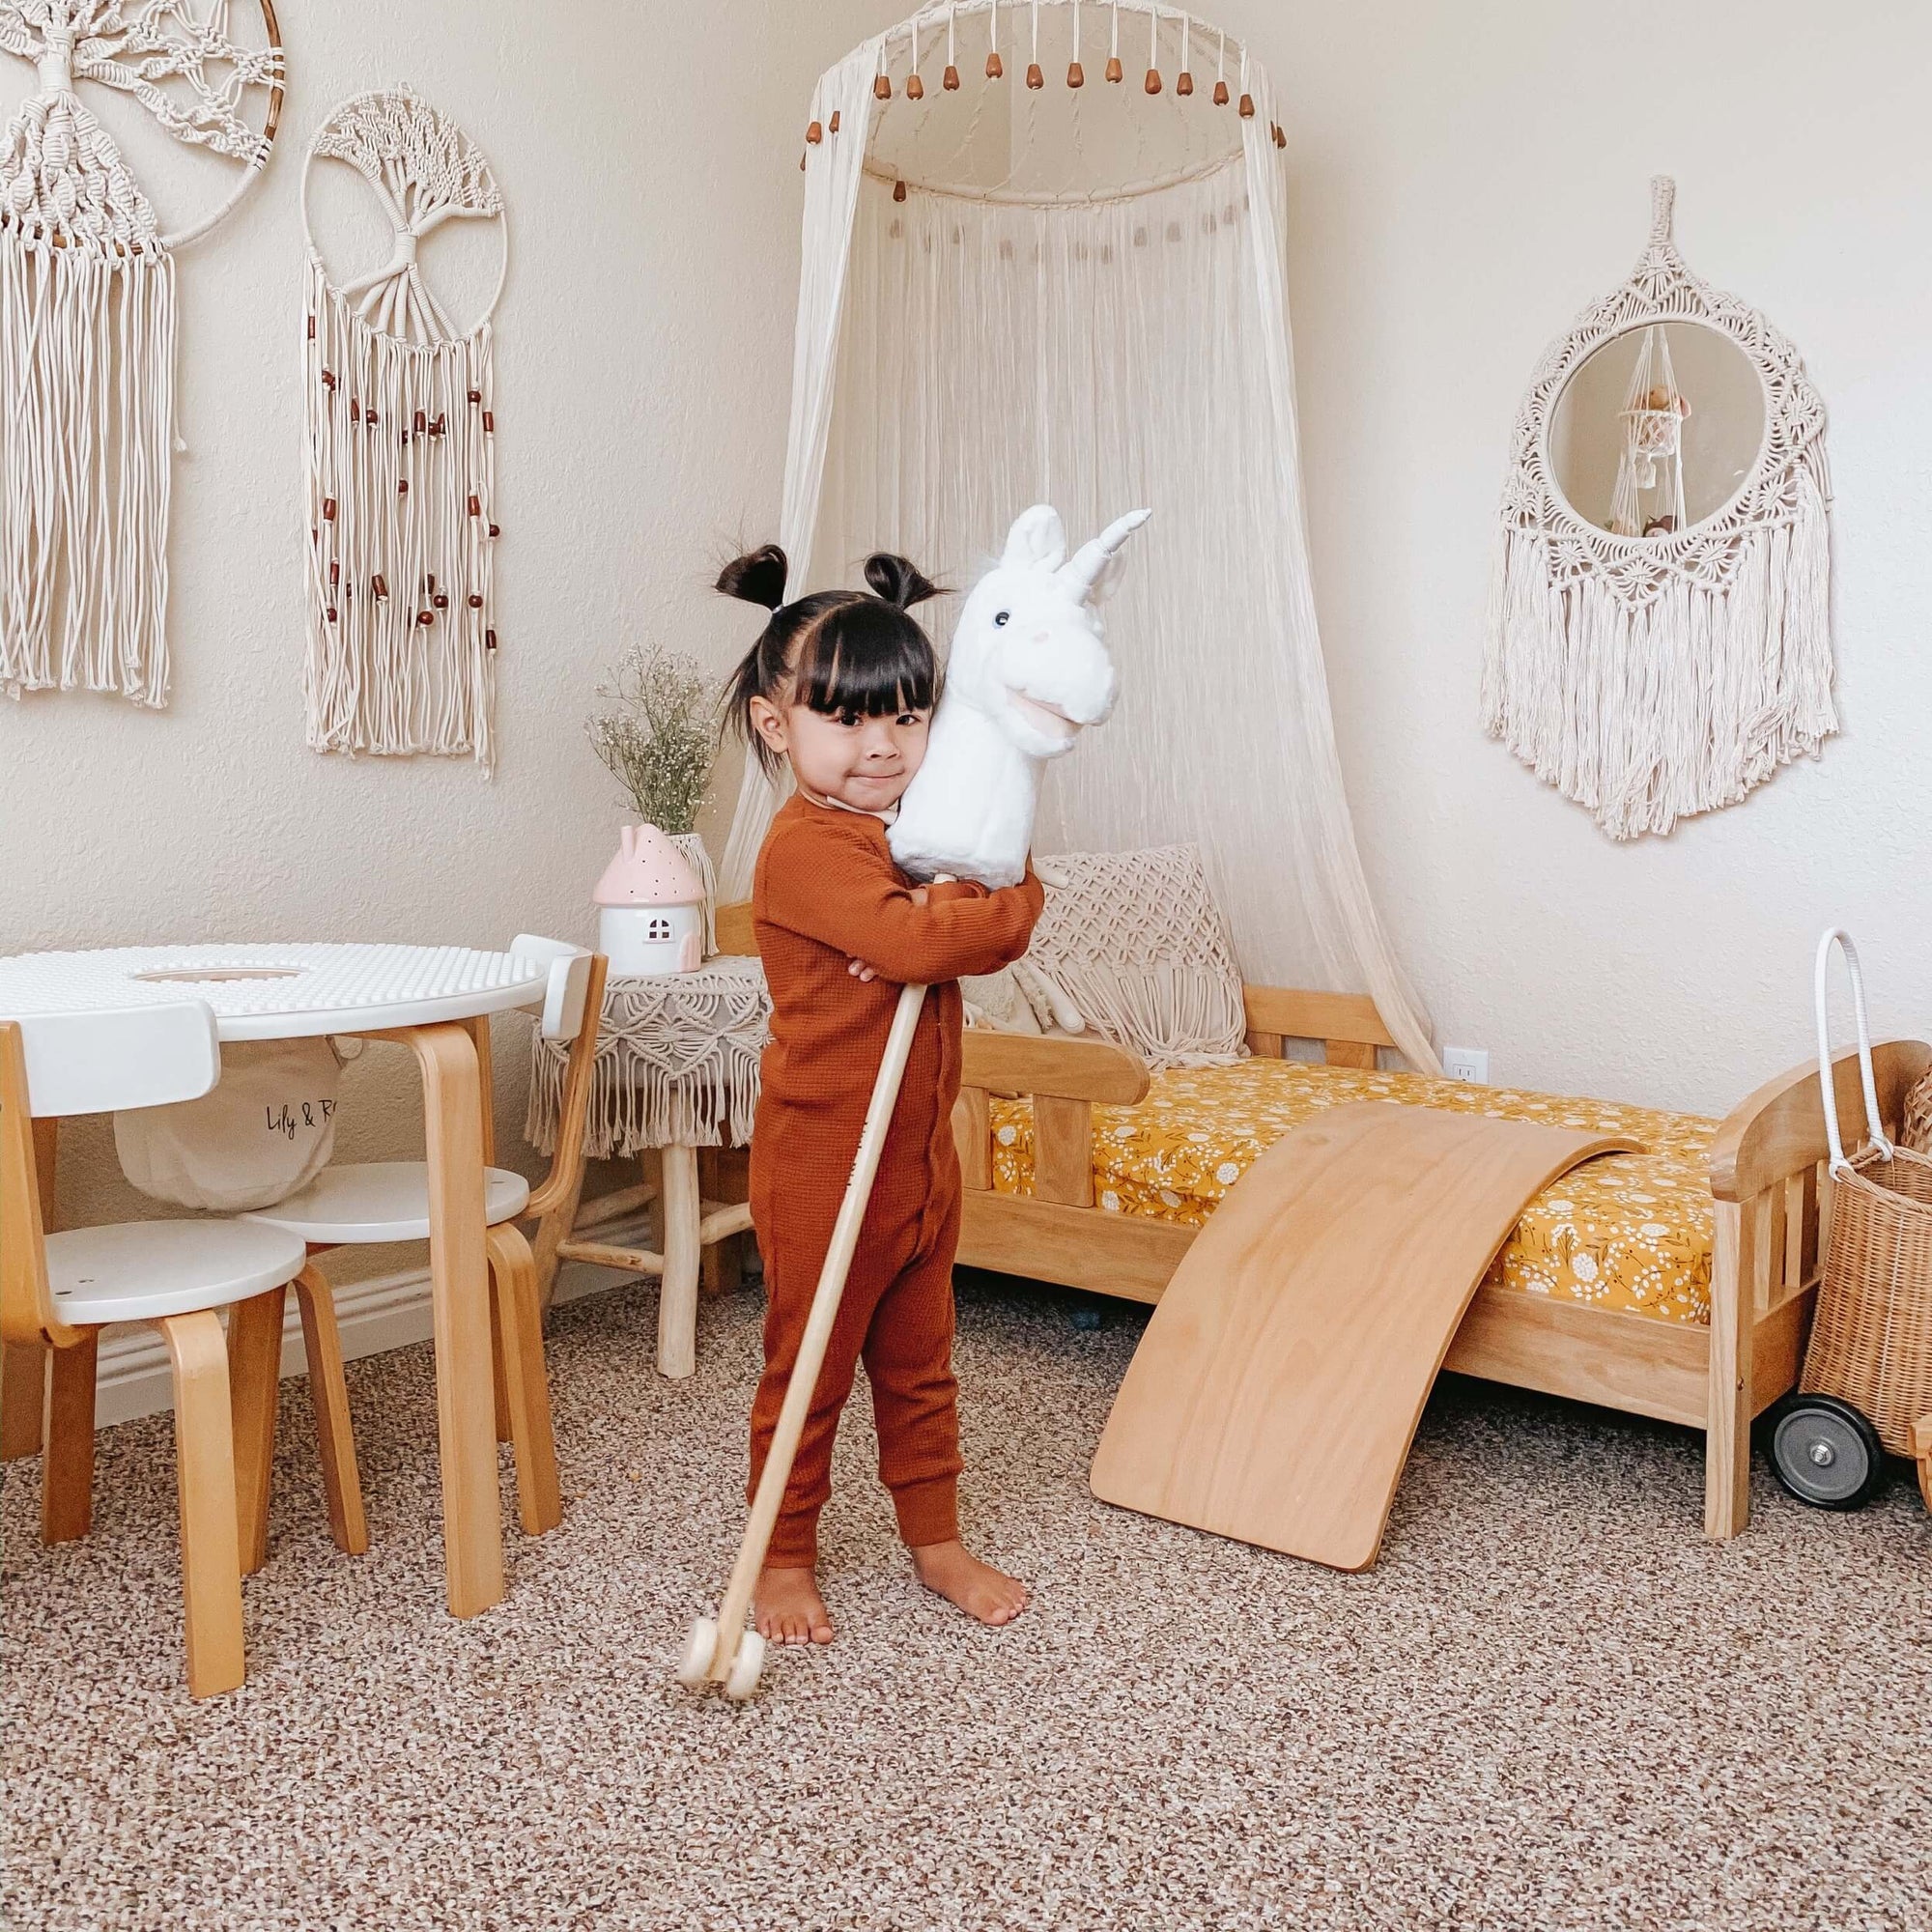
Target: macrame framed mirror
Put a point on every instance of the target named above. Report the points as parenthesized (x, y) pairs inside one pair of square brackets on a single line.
[(92, 209), (401, 441), (1659, 635)]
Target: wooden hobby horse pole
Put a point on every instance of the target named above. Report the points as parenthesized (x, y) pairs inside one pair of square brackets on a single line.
[(723, 1651)]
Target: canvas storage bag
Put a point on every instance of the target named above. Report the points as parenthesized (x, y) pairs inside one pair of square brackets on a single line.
[(266, 1129)]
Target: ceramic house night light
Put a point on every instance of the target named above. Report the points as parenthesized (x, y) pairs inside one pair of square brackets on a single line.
[(652, 900)]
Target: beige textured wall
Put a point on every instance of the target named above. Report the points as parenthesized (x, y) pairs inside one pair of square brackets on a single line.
[(649, 158), (1462, 181)]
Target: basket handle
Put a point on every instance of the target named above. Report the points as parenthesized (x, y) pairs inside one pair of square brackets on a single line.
[(1827, 1089)]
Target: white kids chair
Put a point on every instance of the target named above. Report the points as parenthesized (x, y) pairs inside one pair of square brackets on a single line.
[(59, 1290), (356, 1205)]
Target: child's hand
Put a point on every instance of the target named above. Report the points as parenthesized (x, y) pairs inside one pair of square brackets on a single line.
[(861, 972)]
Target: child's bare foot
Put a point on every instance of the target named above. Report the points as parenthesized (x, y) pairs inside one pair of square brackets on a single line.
[(959, 1576), (789, 1607)]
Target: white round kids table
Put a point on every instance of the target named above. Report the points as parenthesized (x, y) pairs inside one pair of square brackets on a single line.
[(434, 999)]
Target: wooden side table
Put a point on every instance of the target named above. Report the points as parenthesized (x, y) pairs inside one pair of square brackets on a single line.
[(676, 1071)]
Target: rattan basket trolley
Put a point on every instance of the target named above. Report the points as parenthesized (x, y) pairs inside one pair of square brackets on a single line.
[(1867, 1380)]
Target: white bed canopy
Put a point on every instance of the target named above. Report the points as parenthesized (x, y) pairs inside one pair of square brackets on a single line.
[(1024, 288)]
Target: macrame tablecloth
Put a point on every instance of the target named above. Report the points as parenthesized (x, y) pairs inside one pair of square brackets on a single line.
[(677, 1063)]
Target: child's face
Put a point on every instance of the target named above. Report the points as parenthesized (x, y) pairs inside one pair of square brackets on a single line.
[(863, 762)]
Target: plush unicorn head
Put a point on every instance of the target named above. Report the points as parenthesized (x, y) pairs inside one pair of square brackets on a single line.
[(1028, 672)]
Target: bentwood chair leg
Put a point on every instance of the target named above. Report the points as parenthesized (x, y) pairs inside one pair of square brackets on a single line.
[(205, 1459), (499, 1388), (514, 1275), (255, 1382), (66, 1473), (329, 1391)]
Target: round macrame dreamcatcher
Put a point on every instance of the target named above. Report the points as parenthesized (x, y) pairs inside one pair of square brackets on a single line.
[(87, 321), (400, 455)]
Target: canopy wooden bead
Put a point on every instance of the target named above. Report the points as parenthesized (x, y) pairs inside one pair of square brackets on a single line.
[(1280, 139), (1036, 80), (898, 190), (915, 88), (994, 66), (1154, 80), (813, 134), (1115, 71), (1220, 94), (833, 124), (882, 87), (1247, 109), (1076, 76), (950, 79), (1184, 83)]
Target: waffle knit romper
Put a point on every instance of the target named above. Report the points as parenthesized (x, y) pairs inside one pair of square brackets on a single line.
[(826, 892)]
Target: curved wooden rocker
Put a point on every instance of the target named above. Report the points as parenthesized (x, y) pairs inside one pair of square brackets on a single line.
[(1278, 1386)]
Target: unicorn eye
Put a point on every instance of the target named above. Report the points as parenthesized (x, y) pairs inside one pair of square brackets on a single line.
[(1001, 616)]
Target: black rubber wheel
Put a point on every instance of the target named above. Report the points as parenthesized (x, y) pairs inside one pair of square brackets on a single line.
[(1825, 1452)]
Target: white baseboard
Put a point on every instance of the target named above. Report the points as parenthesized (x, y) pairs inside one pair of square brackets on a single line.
[(386, 1310)]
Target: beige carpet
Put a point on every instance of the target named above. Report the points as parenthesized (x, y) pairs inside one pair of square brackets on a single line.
[(1552, 1705)]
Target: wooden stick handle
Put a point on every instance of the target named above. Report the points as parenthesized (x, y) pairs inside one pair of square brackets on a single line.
[(825, 1301)]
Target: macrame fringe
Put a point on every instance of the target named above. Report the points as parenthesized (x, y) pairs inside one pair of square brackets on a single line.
[(87, 418), (651, 1106), (400, 485), (1645, 712), (1163, 1011)]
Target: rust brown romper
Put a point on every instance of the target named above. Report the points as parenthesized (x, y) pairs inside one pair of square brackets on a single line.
[(826, 892)]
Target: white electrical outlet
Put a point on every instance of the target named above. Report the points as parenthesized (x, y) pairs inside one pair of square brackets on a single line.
[(1467, 1063)]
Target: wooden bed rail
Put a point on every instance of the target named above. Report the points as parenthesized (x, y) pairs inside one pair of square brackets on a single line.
[(1347, 1024), (1771, 1186)]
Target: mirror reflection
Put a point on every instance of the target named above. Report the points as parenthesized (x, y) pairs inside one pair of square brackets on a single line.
[(1657, 429)]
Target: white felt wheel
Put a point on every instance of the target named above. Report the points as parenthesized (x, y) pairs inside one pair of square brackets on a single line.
[(743, 1678), (699, 1647)]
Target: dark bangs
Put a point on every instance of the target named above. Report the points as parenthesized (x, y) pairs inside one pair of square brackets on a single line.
[(865, 657)]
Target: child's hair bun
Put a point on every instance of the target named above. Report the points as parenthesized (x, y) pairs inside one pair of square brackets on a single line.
[(758, 577), (899, 582)]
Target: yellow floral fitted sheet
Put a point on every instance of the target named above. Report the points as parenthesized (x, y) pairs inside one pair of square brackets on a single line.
[(1628, 1232)]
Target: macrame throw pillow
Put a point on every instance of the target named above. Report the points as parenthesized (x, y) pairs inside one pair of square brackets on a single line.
[(1137, 944)]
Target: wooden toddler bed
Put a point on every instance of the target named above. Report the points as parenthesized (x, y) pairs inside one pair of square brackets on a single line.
[(1710, 1238)]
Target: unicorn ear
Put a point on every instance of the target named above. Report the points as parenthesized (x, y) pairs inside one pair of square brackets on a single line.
[(1037, 537), (1096, 566)]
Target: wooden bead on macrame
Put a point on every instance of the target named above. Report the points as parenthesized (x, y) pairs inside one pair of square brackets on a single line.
[(489, 423), (377, 584), (495, 530), (813, 134), (489, 641), (329, 380), (1247, 109), (898, 190), (475, 505), (425, 617), (334, 575), (370, 419), (1115, 71), (832, 126), (1075, 76), (329, 509), (915, 88), (950, 79), (1220, 94), (882, 88), (1154, 80), (355, 411), (440, 602), (422, 422), (402, 486), (1280, 139), (994, 67), (1184, 83), (311, 328), (1036, 80), (476, 395), (331, 613), (476, 602)]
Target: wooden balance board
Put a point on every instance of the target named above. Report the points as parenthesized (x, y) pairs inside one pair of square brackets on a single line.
[(1277, 1388)]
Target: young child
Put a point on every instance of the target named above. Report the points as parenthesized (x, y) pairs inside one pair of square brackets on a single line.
[(842, 684)]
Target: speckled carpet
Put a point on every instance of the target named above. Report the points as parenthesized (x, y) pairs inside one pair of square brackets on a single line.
[(1552, 1705)]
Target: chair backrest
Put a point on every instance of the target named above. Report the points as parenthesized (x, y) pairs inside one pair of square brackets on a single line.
[(85, 1063), (98, 1062), (569, 979)]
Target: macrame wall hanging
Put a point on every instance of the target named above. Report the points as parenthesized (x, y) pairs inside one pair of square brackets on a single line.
[(87, 321), (1664, 648), (400, 455)]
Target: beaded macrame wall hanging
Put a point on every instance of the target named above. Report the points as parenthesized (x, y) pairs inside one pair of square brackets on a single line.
[(1660, 635), (400, 454), (87, 321)]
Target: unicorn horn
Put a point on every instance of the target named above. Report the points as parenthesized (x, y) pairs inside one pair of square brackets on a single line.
[(1087, 569)]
